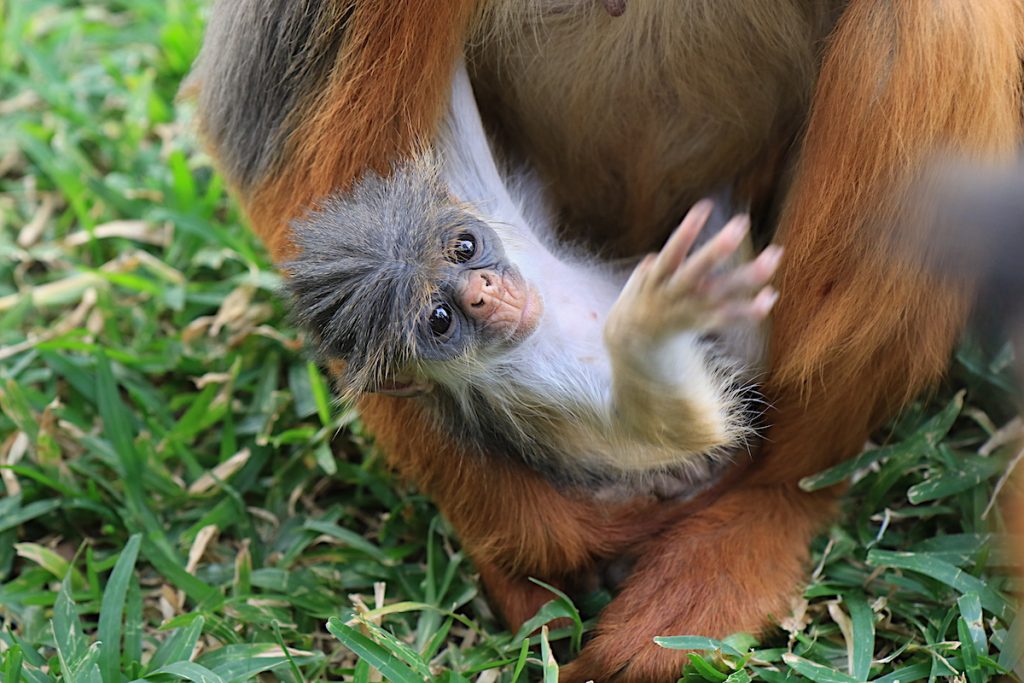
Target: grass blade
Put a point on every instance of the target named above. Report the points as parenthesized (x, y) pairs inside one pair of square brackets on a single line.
[(379, 658), (548, 663), (190, 671), (12, 665), (907, 674), (112, 609), (969, 473), (948, 574), (816, 672), (17, 517), (179, 646), (862, 646), (970, 609), (696, 643), (67, 631), (706, 670), (969, 653)]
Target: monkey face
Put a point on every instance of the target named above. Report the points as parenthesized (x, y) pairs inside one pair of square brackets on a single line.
[(483, 300), (405, 285)]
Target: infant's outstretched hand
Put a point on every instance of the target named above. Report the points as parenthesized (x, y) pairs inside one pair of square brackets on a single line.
[(675, 291)]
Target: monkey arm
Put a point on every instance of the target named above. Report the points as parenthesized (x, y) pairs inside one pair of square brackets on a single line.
[(670, 388), (297, 99), (669, 394)]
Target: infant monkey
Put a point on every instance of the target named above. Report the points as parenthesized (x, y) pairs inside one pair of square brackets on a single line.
[(517, 345)]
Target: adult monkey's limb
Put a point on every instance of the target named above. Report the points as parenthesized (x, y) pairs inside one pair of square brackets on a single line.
[(856, 333), (298, 97), (507, 515)]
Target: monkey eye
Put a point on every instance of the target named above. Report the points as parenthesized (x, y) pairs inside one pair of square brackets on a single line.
[(463, 248), (440, 320)]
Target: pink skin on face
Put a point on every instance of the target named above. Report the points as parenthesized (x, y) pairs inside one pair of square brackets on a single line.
[(505, 305)]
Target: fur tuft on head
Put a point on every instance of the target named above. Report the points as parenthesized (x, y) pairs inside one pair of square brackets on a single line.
[(370, 263)]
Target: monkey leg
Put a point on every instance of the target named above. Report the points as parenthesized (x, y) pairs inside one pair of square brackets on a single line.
[(716, 572), (513, 522), (858, 330), (515, 597), (296, 100)]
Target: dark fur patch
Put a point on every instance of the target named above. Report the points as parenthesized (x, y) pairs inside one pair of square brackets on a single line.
[(490, 431), (260, 59)]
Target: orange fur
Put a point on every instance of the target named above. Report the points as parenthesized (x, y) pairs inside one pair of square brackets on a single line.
[(506, 514), (514, 596), (719, 571), (901, 82)]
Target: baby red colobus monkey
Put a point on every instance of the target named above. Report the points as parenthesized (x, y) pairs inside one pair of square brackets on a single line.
[(443, 283)]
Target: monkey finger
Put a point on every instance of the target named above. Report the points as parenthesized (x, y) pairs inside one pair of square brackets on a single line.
[(745, 312), (764, 302), (642, 271), (748, 278), (682, 239), (718, 249), (637, 284)]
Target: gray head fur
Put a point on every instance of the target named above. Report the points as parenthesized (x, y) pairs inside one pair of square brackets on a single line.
[(370, 263)]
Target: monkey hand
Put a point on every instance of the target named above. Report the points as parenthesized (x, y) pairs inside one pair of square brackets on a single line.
[(672, 292)]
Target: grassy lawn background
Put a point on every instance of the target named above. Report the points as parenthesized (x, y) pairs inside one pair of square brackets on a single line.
[(182, 499)]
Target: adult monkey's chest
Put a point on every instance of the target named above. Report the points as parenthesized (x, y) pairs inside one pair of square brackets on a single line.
[(630, 119)]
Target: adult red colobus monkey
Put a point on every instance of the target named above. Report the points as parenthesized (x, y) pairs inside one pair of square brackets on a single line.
[(819, 113)]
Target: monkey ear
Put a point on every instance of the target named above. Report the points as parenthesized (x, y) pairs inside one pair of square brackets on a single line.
[(404, 387)]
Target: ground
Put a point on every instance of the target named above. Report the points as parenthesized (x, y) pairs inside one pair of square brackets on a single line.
[(181, 497)]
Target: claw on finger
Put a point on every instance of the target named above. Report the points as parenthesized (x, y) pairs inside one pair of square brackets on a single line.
[(768, 261), (764, 302), (639, 280), (732, 234), (645, 265), (745, 312)]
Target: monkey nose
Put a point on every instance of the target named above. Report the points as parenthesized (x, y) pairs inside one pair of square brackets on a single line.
[(481, 288)]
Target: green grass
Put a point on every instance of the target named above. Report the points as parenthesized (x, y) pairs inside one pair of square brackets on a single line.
[(182, 500)]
